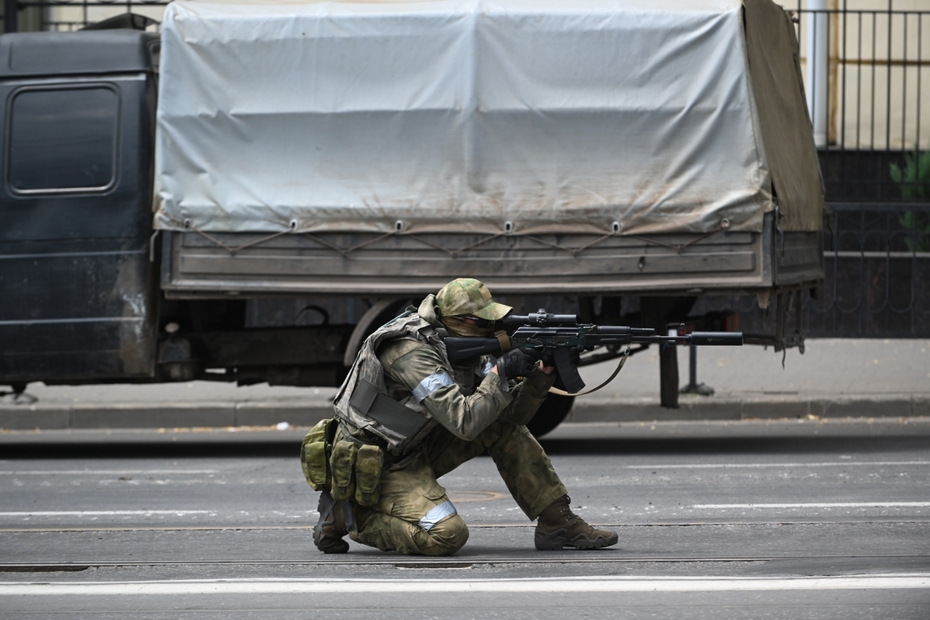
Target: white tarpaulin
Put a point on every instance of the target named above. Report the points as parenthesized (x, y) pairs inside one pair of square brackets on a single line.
[(552, 115)]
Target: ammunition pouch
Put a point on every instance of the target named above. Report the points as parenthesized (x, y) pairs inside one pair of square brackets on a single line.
[(315, 451), (342, 463), (356, 471), (369, 462)]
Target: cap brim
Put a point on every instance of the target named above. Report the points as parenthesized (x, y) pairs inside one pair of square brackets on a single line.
[(493, 311)]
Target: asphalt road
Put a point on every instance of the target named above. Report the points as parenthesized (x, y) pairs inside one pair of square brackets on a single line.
[(716, 520)]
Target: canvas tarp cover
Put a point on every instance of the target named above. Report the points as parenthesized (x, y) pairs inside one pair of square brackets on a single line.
[(555, 116), (784, 123)]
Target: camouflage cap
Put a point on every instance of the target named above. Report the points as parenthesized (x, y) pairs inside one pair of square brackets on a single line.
[(467, 296)]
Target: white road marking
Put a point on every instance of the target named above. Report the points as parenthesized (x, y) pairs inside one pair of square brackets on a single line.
[(830, 505), (108, 472), (103, 513), (770, 465), (567, 585)]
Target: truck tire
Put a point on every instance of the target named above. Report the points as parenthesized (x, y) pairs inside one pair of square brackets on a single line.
[(550, 414)]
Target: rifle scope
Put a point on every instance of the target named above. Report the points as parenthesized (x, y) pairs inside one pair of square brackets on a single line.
[(540, 318)]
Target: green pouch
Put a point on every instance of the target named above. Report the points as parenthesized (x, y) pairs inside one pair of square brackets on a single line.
[(342, 464), (314, 454), (368, 464)]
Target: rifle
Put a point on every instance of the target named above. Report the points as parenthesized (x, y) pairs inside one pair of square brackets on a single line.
[(558, 340)]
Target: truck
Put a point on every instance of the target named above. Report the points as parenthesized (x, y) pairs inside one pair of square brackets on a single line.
[(246, 194)]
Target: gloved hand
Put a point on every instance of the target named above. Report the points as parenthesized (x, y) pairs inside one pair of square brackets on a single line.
[(515, 363)]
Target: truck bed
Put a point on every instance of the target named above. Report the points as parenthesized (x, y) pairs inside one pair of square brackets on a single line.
[(223, 264)]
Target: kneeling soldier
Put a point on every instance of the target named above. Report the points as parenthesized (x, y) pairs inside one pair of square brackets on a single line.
[(405, 416)]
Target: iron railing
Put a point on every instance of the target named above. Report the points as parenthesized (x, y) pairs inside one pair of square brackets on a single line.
[(865, 75), (876, 64), (877, 263), (877, 284)]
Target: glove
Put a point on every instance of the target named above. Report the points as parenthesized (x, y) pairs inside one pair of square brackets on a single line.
[(515, 363)]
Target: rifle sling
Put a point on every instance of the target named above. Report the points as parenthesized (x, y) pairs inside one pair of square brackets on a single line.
[(504, 340), (623, 358)]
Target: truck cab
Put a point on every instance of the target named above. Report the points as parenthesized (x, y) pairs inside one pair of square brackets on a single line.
[(78, 286)]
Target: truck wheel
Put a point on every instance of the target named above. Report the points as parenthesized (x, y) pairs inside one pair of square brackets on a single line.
[(380, 313), (550, 414)]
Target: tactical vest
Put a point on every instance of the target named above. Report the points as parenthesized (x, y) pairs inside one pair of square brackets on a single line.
[(362, 403)]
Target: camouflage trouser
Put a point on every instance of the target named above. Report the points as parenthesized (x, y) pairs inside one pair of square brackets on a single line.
[(414, 514)]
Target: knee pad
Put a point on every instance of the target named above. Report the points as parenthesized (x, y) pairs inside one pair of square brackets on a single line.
[(449, 535)]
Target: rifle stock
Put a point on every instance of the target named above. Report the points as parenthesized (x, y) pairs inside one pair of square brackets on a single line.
[(461, 349)]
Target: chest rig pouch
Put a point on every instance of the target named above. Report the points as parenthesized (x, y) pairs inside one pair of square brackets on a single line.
[(362, 402)]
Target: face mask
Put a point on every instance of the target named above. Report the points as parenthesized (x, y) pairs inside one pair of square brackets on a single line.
[(459, 326)]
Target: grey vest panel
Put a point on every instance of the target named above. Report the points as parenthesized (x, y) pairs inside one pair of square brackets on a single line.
[(362, 402)]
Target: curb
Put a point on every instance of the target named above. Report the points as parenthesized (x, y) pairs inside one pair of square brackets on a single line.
[(160, 415), (700, 408), (238, 414)]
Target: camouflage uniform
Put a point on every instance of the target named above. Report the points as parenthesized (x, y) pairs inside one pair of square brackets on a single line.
[(472, 411)]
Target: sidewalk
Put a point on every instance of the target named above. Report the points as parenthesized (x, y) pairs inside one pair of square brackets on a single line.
[(834, 378)]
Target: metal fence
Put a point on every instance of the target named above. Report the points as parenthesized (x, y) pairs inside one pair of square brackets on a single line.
[(877, 284), (878, 273), (866, 73)]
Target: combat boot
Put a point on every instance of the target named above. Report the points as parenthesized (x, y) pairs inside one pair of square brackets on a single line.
[(335, 522), (558, 527)]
